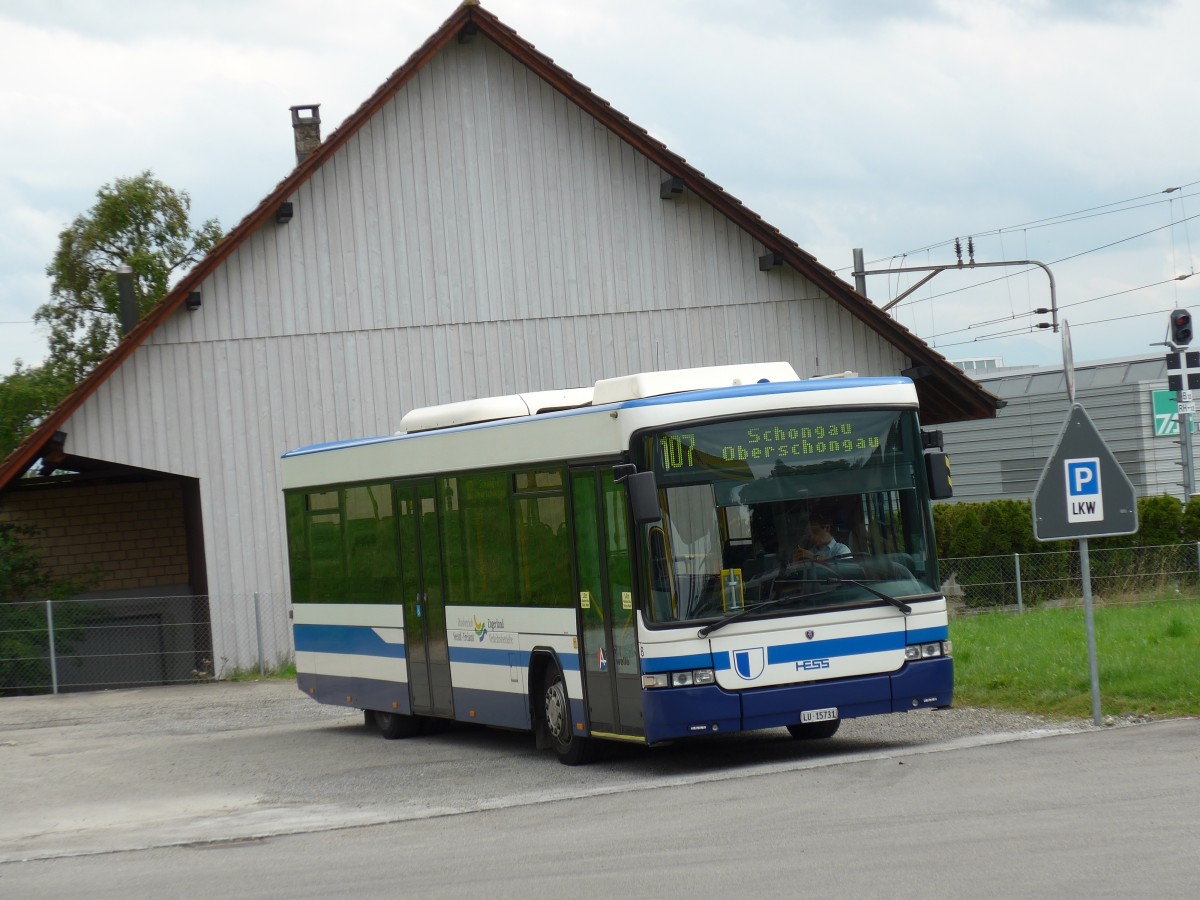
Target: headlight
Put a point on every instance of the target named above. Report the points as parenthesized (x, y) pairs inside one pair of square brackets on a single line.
[(678, 679), (927, 651)]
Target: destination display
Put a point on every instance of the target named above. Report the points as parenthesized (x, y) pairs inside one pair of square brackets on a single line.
[(762, 444)]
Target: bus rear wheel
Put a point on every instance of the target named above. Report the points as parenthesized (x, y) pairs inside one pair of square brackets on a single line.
[(394, 725), (572, 749), (815, 731)]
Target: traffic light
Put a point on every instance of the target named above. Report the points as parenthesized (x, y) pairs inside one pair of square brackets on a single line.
[(1181, 328)]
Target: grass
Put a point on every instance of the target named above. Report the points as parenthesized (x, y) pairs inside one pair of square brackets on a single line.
[(280, 673), (1038, 662)]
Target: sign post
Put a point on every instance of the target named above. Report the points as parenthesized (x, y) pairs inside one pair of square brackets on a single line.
[(1083, 493), (1183, 377)]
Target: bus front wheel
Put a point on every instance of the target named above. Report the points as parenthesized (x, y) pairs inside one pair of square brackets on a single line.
[(572, 749), (815, 731), (393, 725)]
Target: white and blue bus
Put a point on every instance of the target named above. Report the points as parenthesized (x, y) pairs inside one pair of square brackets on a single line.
[(661, 556)]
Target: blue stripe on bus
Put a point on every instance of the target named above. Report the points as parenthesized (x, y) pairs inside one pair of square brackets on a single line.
[(723, 393), (763, 387), (924, 635), (483, 656), (678, 663), (784, 653), (851, 646), (354, 639)]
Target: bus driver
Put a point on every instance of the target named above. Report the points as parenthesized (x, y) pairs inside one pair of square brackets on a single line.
[(821, 542)]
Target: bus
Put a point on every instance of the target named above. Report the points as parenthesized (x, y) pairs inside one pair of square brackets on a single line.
[(661, 556)]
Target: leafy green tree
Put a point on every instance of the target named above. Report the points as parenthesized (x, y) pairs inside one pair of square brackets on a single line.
[(26, 396), (1191, 521), (139, 222), (1160, 521), (21, 572), (25, 585)]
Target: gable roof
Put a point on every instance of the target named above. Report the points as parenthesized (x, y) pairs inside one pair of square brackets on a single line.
[(946, 394)]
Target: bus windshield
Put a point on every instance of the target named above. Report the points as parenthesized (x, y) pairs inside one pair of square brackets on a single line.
[(788, 513)]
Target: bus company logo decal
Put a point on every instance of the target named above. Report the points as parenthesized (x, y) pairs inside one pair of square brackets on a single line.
[(749, 664), (481, 629)]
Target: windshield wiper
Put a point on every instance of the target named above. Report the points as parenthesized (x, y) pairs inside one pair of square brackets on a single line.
[(833, 579), (758, 607), (838, 579)]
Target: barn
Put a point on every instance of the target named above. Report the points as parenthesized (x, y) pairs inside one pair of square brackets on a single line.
[(482, 224)]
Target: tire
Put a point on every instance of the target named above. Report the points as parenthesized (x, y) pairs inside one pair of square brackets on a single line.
[(572, 750), (395, 725), (815, 731)]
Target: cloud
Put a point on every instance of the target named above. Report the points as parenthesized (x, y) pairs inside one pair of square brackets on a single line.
[(892, 127)]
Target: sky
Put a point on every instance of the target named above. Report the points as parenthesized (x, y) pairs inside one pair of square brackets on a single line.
[(1060, 132)]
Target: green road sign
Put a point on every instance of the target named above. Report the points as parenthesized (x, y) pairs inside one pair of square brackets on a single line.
[(1166, 414)]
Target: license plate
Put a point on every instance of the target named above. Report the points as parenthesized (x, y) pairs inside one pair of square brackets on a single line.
[(819, 715)]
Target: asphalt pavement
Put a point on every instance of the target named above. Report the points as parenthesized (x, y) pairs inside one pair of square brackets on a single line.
[(265, 780)]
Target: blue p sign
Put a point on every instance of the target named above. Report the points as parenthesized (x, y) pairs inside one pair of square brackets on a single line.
[(1085, 500)]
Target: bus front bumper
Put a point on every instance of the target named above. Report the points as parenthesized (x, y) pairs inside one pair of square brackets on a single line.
[(672, 713)]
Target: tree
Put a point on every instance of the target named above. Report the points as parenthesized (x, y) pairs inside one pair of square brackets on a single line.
[(26, 585), (26, 396), (139, 222)]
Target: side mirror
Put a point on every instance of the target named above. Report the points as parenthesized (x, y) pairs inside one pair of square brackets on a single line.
[(643, 497), (937, 470)]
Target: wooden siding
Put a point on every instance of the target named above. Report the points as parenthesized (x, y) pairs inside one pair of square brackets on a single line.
[(481, 235)]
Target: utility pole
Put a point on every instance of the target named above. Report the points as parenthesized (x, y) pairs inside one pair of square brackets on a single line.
[(860, 277), (1183, 376)]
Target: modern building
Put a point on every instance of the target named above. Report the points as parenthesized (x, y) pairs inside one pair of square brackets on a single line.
[(1127, 400)]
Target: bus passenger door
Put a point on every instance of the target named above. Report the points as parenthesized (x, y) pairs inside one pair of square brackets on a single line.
[(424, 600), (608, 635)]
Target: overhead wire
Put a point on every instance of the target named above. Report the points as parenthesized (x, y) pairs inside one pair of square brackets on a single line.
[(1033, 312), (1064, 218), (1062, 259), (1060, 219), (1074, 325)]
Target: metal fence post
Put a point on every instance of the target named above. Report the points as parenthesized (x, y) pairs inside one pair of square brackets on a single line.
[(53, 655), (1017, 566), (262, 669)]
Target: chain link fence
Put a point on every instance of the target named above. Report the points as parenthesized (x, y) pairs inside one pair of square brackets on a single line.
[(1017, 581), (80, 645), (53, 646)]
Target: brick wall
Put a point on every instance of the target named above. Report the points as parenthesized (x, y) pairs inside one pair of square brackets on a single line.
[(130, 535)]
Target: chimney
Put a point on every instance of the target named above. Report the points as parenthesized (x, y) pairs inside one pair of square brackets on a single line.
[(128, 309), (306, 129)]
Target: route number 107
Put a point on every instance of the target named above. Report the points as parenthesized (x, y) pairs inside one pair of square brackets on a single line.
[(678, 451)]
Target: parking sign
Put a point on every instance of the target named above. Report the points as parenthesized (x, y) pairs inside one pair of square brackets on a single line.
[(1085, 499), (1083, 491)]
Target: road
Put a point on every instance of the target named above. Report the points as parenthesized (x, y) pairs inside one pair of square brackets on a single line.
[(238, 789)]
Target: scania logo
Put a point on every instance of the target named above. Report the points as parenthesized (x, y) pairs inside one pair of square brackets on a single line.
[(810, 634)]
